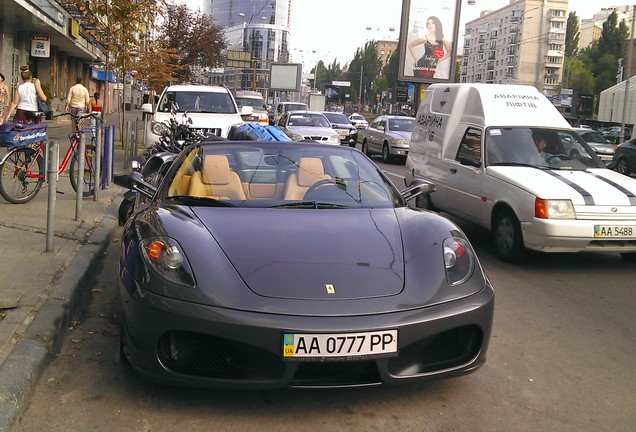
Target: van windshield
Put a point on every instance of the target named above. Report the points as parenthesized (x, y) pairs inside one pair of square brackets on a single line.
[(196, 101), (551, 148)]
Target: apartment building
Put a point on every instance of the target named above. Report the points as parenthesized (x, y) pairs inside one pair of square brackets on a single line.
[(522, 43)]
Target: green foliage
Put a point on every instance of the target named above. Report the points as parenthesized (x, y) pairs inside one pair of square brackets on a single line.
[(572, 35)]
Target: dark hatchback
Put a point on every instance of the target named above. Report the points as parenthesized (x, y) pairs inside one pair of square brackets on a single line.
[(341, 123)]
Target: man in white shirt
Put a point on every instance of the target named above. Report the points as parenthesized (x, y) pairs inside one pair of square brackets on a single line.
[(78, 101)]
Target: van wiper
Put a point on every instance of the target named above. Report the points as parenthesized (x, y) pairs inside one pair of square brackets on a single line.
[(190, 200), (310, 205)]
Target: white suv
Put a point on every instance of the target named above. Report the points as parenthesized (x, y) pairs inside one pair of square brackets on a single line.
[(212, 109)]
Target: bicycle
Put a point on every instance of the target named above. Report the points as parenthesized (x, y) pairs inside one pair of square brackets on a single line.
[(22, 170)]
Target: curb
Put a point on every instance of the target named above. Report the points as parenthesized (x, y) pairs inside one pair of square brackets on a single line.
[(42, 341)]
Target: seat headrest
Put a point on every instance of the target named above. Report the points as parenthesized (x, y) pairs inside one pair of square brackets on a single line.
[(216, 169), (310, 170)]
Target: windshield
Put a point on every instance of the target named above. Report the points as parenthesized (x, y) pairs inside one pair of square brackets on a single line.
[(357, 117), (401, 125), (552, 148), (253, 102), (197, 101), (308, 119), (593, 137), (278, 175), (337, 118)]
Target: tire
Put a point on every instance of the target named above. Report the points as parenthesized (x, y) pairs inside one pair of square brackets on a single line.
[(15, 186), (126, 208), (365, 148), (622, 166), (386, 154), (88, 187), (507, 237)]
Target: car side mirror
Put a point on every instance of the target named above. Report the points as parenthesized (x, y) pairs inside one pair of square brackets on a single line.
[(135, 181), (418, 187)]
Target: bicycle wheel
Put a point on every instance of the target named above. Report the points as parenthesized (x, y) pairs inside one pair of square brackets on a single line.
[(88, 185), (21, 175)]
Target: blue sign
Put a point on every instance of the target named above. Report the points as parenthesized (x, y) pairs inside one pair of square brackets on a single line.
[(99, 75)]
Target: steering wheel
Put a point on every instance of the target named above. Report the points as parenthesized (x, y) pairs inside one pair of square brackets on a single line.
[(326, 184), (555, 156)]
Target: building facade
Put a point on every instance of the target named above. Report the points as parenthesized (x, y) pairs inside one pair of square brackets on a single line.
[(49, 37), (590, 28), (258, 27), (522, 43)]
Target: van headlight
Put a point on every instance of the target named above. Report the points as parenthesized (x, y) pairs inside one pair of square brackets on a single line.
[(553, 209)]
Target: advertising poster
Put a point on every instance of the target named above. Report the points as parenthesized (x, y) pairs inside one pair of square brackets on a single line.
[(429, 30)]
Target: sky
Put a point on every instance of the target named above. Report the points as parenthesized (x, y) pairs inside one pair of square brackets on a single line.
[(334, 29)]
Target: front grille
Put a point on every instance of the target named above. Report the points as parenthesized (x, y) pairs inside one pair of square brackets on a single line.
[(316, 138), (208, 131), (447, 350), (207, 356), (613, 243), (333, 373)]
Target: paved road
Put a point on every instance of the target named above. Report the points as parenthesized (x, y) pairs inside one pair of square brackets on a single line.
[(561, 359)]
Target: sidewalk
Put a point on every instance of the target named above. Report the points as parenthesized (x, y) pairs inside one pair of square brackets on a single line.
[(38, 288)]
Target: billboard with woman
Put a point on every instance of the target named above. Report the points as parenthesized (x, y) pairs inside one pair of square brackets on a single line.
[(428, 40)]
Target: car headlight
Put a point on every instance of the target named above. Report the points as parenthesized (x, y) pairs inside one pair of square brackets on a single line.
[(553, 209), (401, 142), (158, 128), (164, 255), (459, 260), (296, 137), (334, 139)]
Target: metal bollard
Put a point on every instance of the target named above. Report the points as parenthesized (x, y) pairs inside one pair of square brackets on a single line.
[(80, 177), (51, 173), (97, 160), (106, 177)]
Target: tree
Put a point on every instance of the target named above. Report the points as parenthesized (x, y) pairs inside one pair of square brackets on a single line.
[(572, 35), (365, 66), (194, 36)]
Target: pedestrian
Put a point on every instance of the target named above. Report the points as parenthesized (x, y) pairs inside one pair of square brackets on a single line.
[(78, 101), (4, 98), (25, 99), (95, 106)]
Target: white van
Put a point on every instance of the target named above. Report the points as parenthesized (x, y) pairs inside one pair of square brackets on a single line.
[(504, 158)]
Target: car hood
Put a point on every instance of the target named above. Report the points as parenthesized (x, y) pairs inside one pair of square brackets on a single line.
[(602, 147), (312, 131), (325, 254), (598, 187), (205, 120), (400, 135)]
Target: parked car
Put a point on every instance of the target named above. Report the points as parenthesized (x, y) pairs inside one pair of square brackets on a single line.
[(601, 146), (389, 136), (255, 100), (358, 121), (212, 110), (290, 264), (624, 160), (341, 123), (308, 125)]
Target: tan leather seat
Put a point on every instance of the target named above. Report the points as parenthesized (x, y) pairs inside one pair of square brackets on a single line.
[(310, 170), (216, 180)]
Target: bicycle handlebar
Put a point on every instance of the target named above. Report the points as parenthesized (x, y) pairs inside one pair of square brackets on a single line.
[(91, 114)]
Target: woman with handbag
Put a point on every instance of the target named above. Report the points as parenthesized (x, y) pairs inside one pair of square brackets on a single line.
[(25, 99)]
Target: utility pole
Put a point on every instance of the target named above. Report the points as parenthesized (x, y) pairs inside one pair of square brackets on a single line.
[(621, 134)]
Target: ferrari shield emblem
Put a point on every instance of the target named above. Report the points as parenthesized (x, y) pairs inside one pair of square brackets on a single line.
[(330, 289)]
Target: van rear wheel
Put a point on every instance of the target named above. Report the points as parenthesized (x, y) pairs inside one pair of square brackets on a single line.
[(507, 237)]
